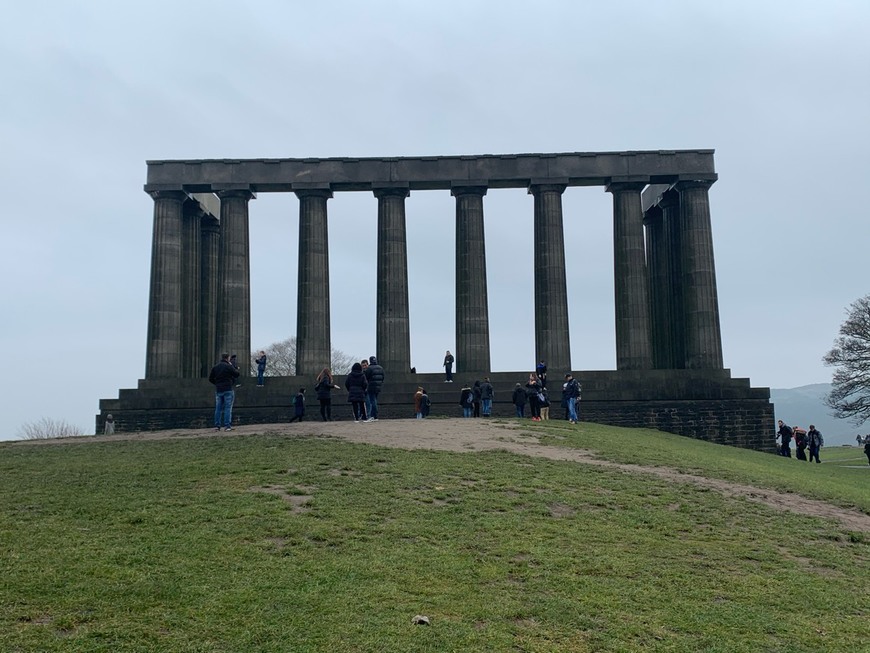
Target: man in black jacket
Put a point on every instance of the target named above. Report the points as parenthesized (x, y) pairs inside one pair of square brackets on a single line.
[(375, 378), (785, 433), (223, 376)]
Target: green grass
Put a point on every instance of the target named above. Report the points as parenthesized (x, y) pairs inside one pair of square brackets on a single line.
[(208, 545), (834, 480)]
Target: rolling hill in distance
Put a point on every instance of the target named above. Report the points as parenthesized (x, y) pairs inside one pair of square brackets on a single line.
[(805, 405)]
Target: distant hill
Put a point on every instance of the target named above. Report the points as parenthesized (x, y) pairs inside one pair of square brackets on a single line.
[(805, 405)]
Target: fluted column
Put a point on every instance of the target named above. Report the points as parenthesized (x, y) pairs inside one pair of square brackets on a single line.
[(210, 233), (633, 351), (552, 342), (163, 350), (190, 285), (659, 299), (472, 304), (234, 286), (700, 295), (393, 334), (313, 341), (670, 206)]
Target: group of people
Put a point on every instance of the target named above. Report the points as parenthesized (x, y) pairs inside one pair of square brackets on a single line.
[(803, 440), (366, 378), (363, 386)]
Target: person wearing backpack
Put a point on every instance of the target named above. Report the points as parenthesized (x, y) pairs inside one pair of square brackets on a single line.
[(466, 399), (426, 403), (299, 406)]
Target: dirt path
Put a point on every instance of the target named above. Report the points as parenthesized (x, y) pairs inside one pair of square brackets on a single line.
[(472, 435)]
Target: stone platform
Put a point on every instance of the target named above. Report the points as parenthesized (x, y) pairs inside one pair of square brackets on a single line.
[(703, 404)]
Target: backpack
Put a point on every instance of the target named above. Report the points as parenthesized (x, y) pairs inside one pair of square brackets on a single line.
[(426, 401)]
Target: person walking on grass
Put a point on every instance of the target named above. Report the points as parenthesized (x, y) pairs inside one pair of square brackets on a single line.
[(519, 400), (298, 406), (223, 377), (325, 386), (815, 442), (357, 385), (800, 443), (466, 399), (785, 434)]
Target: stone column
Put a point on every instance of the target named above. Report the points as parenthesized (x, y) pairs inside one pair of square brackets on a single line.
[(633, 351), (313, 342), (163, 350), (700, 296), (659, 299), (210, 231), (393, 334), (190, 285), (552, 343), (670, 206), (472, 304), (234, 272)]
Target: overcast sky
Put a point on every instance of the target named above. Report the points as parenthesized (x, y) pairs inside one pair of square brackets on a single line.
[(91, 90)]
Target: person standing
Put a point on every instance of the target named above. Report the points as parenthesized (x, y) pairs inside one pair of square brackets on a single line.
[(375, 378), (486, 396), (785, 434), (475, 389), (364, 364), (519, 400), (466, 399), (223, 376), (356, 385), (533, 389), (867, 449), (325, 386), (448, 367), (570, 393), (425, 403), (541, 372), (110, 425), (261, 368), (545, 404), (418, 402), (815, 442), (299, 406), (234, 361)]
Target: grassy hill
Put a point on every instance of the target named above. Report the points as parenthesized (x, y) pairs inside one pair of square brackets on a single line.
[(272, 543)]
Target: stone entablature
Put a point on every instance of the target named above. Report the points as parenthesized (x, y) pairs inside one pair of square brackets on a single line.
[(431, 172)]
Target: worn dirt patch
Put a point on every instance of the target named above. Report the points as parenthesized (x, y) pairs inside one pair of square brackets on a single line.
[(471, 435)]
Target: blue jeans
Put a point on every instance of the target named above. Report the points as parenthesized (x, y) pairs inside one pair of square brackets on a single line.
[(487, 406), (466, 411), (521, 409), (572, 409), (223, 408), (372, 405), (260, 376)]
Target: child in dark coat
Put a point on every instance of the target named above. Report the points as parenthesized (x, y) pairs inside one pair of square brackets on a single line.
[(299, 406)]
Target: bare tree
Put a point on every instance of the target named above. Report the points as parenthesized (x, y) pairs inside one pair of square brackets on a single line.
[(850, 392), (281, 357), (46, 428)]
